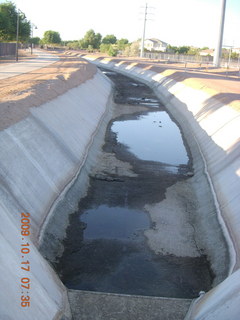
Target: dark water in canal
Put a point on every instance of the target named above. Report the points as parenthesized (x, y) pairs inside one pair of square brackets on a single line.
[(152, 136), (105, 247)]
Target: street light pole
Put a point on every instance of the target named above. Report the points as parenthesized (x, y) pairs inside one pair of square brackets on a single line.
[(17, 35), (218, 50)]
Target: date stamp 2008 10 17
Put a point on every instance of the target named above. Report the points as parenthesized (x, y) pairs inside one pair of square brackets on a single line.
[(25, 263)]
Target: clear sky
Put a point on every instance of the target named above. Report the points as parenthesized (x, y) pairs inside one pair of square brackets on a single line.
[(177, 22)]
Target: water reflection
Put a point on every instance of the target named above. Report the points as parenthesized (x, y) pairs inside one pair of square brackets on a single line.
[(119, 223), (153, 137)]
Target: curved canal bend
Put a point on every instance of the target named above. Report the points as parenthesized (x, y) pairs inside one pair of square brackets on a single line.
[(134, 231)]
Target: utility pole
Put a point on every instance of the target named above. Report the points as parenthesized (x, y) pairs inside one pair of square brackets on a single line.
[(144, 29), (218, 49)]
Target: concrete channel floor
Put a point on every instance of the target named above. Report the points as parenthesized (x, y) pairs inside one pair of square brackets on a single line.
[(105, 306), (42, 59)]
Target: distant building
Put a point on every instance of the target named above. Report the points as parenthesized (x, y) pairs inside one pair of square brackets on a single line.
[(236, 50), (207, 52), (155, 45)]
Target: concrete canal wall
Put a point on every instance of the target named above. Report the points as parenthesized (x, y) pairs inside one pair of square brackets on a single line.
[(39, 157), (42, 154), (213, 127)]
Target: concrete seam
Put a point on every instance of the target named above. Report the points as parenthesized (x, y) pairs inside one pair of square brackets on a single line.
[(188, 316), (232, 251), (83, 292)]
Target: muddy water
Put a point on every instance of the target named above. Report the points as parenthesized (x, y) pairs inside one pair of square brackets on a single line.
[(105, 248)]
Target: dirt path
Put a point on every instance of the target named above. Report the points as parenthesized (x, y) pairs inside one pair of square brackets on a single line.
[(42, 59)]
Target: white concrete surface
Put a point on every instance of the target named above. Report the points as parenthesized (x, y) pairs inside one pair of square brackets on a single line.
[(42, 154), (42, 59), (215, 128), (221, 303), (39, 157)]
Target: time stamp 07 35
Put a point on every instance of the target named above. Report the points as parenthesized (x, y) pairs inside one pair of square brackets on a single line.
[(25, 261)]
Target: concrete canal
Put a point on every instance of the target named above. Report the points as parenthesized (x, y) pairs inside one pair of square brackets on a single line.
[(134, 231)]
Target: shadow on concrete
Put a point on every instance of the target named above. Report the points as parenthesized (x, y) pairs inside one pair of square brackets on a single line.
[(216, 102)]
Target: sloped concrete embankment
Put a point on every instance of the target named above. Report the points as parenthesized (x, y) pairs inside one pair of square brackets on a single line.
[(211, 129), (40, 156)]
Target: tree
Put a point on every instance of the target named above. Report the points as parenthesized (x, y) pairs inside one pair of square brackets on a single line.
[(122, 43), (98, 38), (235, 55), (9, 16), (109, 39), (35, 40), (193, 51), (73, 45), (134, 48), (82, 44), (51, 37), (171, 49), (110, 49), (91, 39), (183, 50), (104, 47)]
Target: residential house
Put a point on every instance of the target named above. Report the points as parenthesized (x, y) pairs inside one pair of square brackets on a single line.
[(207, 52), (154, 44)]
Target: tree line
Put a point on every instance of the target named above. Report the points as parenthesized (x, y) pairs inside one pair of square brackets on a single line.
[(10, 16), (94, 41), (196, 51)]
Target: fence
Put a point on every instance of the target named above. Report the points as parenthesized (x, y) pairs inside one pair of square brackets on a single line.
[(184, 58), (7, 49), (178, 57)]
